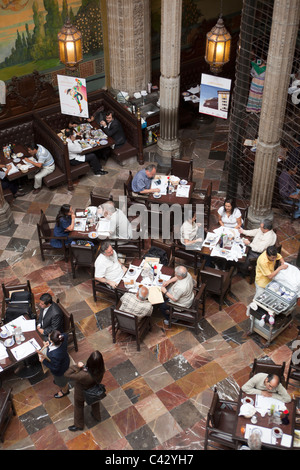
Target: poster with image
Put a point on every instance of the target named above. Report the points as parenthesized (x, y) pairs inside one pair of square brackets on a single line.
[(214, 95), (73, 96)]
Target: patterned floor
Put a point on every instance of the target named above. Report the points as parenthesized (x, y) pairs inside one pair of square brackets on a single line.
[(156, 398)]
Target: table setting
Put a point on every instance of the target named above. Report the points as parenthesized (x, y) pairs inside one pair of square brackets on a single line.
[(267, 416), (225, 243), (88, 136), (172, 187), (91, 223), (16, 160), (17, 339), (148, 274)]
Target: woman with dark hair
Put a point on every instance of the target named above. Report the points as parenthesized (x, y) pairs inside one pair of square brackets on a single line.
[(189, 231), (57, 360), (85, 377), (229, 215), (65, 220)]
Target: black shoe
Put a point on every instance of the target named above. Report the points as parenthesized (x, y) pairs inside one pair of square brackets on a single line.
[(63, 394), (101, 172), (74, 428)]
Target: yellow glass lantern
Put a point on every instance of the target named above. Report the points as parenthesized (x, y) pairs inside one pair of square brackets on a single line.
[(70, 45), (218, 43)]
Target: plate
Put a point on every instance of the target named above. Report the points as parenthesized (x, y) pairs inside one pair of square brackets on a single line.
[(183, 181), (276, 432), (17, 160), (4, 334), (9, 342), (131, 272), (93, 235), (248, 400), (20, 154), (156, 195), (103, 142), (185, 93)]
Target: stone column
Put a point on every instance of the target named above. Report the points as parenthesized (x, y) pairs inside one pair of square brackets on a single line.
[(285, 24), (168, 144), (6, 216), (129, 43)]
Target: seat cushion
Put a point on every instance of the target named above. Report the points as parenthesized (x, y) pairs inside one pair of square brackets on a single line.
[(125, 151), (55, 178)]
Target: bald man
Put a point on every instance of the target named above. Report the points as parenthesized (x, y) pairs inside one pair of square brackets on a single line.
[(137, 304), (181, 292), (267, 385)]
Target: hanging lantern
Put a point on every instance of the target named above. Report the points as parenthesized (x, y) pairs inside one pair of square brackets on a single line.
[(217, 51), (70, 45)]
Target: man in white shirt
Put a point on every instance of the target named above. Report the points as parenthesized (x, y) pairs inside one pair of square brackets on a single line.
[(120, 226), (181, 293), (76, 157), (44, 161), (108, 268), (263, 237)]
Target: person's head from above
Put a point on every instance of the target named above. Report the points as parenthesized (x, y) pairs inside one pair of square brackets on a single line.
[(72, 124), (254, 440), (291, 168), (150, 171), (229, 205), (109, 116), (190, 217), (32, 149), (69, 133), (143, 293), (107, 249), (266, 226), (271, 253), (95, 364), (56, 337), (45, 300), (271, 382), (108, 209), (64, 211), (181, 272)]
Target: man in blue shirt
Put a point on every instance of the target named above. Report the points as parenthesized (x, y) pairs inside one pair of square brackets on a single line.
[(44, 161), (141, 182)]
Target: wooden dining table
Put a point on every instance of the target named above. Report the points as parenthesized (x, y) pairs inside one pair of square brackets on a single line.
[(18, 148), (171, 199), (11, 361), (264, 422)]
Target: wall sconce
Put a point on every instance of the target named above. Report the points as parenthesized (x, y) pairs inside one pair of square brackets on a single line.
[(70, 45), (218, 43)]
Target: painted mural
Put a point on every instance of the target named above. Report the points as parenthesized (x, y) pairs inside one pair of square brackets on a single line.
[(28, 33)]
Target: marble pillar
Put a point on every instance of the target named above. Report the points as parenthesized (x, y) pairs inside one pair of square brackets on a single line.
[(6, 216), (129, 44), (168, 144), (285, 24)]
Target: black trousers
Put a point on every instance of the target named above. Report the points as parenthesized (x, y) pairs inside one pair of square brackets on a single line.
[(93, 161), (6, 184)]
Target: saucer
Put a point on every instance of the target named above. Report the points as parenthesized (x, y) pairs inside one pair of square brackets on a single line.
[(157, 195), (4, 335), (9, 342)]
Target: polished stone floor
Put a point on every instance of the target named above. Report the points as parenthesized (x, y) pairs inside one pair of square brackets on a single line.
[(156, 398)]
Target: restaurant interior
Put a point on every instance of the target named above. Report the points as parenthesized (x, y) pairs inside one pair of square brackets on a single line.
[(170, 389)]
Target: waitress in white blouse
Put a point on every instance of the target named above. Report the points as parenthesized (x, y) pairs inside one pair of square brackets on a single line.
[(229, 215)]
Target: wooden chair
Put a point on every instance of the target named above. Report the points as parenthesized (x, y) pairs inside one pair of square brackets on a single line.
[(206, 201), (268, 367), (82, 256), (189, 316), (293, 373), (129, 193), (279, 203), (244, 212), (131, 248), (69, 326), (97, 200), (183, 169), (167, 248), (45, 234), (7, 410), (217, 282), (128, 323), (98, 286), (220, 424), (18, 298)]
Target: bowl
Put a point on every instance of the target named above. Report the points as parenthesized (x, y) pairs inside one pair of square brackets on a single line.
[(93, 235)]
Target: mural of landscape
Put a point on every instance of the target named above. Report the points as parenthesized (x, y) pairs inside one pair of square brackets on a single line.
[(28, 33)]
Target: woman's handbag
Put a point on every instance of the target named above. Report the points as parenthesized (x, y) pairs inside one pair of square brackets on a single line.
[(94, 394)]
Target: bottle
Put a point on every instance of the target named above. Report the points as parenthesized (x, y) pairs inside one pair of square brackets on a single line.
[(149, 86), (150, 137), (138, 114)]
